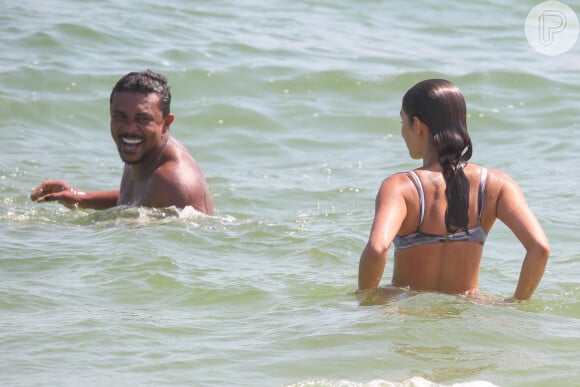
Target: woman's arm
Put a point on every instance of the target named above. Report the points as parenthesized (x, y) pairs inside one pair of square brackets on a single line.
[(514, 212), (390, 212)]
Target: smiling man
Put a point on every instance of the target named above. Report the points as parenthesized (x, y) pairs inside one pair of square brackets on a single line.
[(159, 171)]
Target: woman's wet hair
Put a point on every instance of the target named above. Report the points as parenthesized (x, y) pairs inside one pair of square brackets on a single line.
[(146, 82), (440, 105)]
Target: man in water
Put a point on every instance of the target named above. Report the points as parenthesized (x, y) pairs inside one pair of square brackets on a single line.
[(159, 171)]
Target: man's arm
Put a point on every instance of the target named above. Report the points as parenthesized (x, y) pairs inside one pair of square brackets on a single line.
[(70, 197)]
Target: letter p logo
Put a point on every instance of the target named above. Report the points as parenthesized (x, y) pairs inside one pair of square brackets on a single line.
[(552, 28), (551, 22)]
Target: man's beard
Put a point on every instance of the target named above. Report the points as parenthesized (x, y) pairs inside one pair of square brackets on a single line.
[(132, 162)]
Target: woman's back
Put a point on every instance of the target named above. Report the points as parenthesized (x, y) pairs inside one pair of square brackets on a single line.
[(427, 257)]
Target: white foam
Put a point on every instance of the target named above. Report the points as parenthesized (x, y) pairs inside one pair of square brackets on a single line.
[(415, 381)]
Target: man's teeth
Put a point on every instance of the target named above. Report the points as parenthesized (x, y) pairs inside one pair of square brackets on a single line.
[(132, 140)]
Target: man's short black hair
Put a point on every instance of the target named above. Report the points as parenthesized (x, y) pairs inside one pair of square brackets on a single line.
[(146, 82)]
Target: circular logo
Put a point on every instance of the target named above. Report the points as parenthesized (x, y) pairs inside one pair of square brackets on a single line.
[(552, 28)]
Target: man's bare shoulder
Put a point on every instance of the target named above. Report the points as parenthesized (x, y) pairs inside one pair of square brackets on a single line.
[(178, 170), (178, 158)]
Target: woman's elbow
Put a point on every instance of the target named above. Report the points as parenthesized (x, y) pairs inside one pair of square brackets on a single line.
[(375, 250), (541, 250), (544, 248)]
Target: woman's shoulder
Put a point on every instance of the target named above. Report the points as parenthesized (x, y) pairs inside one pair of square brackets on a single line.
[(496, 179), (397, 184), (397, 179)]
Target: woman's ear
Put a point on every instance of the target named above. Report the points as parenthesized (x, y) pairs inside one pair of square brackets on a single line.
[(419, 125), (416, 122)]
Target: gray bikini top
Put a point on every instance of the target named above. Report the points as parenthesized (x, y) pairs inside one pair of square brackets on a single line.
[(475, 234)]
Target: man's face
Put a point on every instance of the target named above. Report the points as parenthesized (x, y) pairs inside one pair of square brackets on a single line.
[(137, 126)]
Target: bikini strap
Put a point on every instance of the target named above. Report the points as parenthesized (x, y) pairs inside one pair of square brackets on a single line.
[(415, 179), (481, 194)]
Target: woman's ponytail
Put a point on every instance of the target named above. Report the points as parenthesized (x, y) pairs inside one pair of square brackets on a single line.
[(441, 106)]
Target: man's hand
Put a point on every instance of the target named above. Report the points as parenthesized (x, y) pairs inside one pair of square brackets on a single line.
[(58, 191)]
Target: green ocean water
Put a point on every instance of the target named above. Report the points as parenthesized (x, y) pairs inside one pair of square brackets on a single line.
[(292, 110)]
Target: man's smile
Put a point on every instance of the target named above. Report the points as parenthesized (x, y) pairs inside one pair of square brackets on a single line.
[(131, 140)]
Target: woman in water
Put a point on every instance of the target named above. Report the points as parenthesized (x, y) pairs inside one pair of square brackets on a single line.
[(438, 216)]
